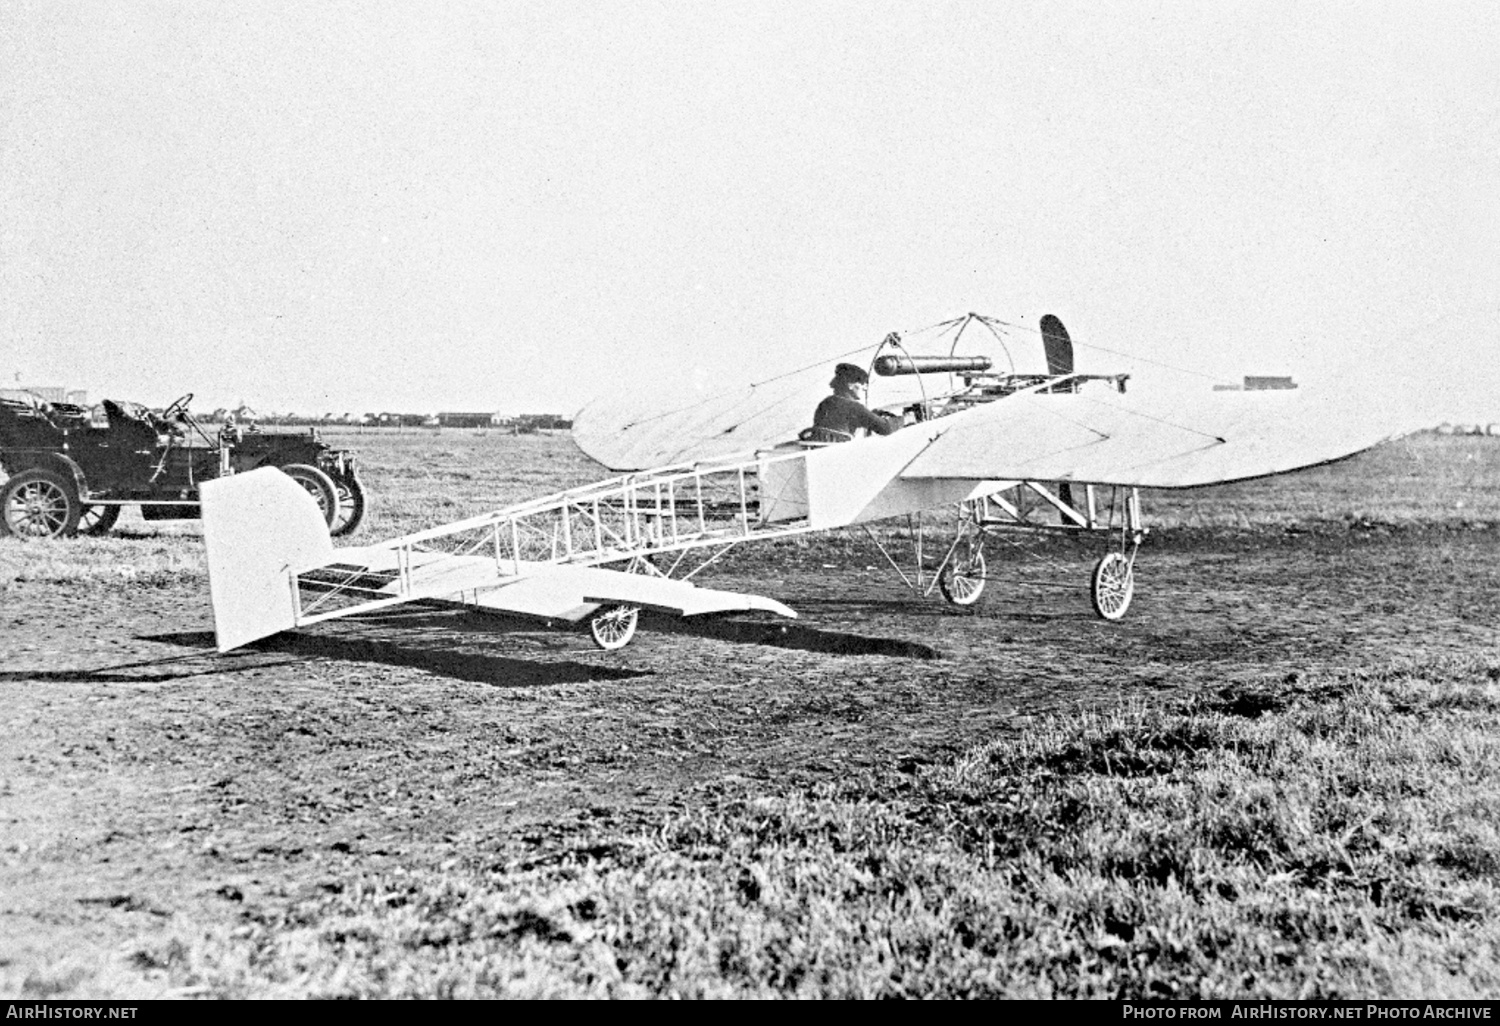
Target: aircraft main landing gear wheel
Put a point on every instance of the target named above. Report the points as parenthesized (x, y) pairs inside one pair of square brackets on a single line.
[(39, 504), (1112, 586), (98, 520), (962, 580), (613, 626)]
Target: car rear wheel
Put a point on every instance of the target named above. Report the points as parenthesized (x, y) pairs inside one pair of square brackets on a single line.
[(351, 505), (39, 504), (319, 485), (98, 520)]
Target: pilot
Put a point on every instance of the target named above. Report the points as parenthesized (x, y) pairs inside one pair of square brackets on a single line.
[(845, 411)]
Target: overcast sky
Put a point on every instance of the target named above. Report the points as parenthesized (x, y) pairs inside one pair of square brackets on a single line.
[(516, 206)]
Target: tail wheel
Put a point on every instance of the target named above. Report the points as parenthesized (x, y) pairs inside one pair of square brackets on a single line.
[(1113, 585), (320, 486), (98, 520), (613, 626), (962, 579), (39, 504), (351, 506)]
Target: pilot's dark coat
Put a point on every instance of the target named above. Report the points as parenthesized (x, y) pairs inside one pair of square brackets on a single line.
[(841, 413)]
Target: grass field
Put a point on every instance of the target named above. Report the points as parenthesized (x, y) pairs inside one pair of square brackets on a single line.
[(1299, 800), (1336, 838)]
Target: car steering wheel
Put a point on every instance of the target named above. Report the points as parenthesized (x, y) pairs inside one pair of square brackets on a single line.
[(177, 409)]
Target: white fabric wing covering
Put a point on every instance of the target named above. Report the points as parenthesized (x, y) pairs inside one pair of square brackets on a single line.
[(1145, 438), (1156, 441), (623, 434)]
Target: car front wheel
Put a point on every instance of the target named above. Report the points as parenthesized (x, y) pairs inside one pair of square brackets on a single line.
[(351, 505)]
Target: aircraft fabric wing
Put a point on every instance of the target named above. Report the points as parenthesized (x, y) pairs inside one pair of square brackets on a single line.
[(633, 431), (626, 433), (1162, 441)]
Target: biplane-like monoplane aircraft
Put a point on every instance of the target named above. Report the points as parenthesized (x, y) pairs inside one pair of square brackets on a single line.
[(988, 445)]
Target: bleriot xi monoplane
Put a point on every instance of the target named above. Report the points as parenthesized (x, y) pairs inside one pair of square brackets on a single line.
[(987, 445)]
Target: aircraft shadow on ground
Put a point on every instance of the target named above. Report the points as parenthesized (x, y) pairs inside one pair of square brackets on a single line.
[(783, 635), (998, 610), (433, 655), (776, 634), (435, 650), (148, 671), (441, 642)]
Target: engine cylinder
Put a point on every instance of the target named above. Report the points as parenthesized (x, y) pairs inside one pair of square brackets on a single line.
[(890, 366)]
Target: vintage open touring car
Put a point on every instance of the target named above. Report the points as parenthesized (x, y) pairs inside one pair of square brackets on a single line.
[(68, 475)]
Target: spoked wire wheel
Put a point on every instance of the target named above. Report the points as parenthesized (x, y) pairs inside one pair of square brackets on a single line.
[(39, 504), (962, 579), (1112, 586), (320, 486), (613, 626), (351, 505), (98, 520)]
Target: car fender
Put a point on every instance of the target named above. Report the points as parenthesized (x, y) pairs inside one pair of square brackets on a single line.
[(42, 459)]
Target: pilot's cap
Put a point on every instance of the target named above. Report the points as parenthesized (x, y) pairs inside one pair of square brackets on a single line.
[(847, 373)]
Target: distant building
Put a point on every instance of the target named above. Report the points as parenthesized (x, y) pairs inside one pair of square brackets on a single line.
[(527, 423), (1267, 383), (405, 420), (1259, 383), (48, 393), (470, 420)]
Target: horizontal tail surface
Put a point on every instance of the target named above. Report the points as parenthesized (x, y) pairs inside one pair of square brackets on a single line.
[(259, 529), (573, 592)]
